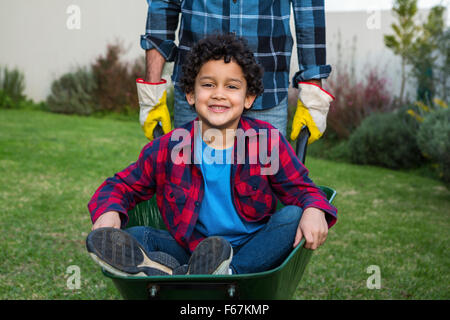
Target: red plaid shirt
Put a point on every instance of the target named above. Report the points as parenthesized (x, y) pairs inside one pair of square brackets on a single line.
[(178, 183)]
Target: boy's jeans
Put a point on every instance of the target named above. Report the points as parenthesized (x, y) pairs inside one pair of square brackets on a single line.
[(266, 250)]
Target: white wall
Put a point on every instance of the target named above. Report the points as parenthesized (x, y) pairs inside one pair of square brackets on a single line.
[(35, 38)]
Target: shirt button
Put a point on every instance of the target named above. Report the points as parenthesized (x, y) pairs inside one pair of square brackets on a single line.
[(197, 203), (255, 188)]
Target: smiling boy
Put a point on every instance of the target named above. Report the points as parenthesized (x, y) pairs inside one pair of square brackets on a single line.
[(221, 217), (220, 97)]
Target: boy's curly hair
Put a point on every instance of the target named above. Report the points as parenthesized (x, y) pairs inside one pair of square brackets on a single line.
[(227, 47)]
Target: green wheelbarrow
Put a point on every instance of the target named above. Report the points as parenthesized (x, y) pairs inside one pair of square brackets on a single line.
[(277, 283)]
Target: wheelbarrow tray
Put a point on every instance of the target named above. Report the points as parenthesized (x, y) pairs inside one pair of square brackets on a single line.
[(277, 283)]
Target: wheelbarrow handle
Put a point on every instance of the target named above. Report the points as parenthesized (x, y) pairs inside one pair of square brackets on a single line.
[(302, 143), (158, 131)]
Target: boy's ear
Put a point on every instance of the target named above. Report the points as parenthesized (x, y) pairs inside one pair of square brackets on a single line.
[(190, 97), (249, 99)]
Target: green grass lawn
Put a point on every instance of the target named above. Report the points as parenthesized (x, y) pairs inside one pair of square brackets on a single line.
[(50, 165)]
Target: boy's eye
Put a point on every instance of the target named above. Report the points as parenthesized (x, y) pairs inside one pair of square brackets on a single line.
[(234, 86), (207, 85)]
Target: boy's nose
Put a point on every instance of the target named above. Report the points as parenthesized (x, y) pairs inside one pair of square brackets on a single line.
[(218, 93)]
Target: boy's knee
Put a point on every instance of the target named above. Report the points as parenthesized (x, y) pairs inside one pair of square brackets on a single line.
[(137, 232)]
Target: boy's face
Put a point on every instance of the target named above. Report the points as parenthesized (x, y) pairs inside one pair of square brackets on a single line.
[(220, 95)]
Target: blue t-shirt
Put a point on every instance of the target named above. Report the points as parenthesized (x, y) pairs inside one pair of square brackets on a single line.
[(218, 215)]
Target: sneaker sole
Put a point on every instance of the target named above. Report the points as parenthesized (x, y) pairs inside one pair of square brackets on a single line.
[(212, 256), (120, 254)]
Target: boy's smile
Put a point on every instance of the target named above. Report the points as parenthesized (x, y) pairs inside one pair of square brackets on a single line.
[(220, 95)]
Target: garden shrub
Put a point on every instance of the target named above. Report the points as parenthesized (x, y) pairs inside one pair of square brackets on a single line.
[(385, 139), (73, 93), (12, 87), (108, 85), (355, 100), (433, 139), (330, 149), (116, 81), (5, 101)]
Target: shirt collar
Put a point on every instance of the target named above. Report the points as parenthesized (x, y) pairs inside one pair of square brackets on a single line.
[(193, 127)]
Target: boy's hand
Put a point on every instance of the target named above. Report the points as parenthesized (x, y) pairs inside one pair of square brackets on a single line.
[(108, 219), (313, 227)]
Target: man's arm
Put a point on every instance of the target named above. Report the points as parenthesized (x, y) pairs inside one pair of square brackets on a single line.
[(313, 102), (159, 43), (162, 22), (309, 16), (317, 82), (154, 64)]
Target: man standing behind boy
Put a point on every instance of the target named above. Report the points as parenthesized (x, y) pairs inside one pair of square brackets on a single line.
[(266, 26)]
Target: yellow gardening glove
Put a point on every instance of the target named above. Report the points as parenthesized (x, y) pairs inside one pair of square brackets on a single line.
[(312, 109), (153, 106)]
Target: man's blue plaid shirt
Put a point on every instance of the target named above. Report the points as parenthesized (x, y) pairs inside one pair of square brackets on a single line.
[(266, 26)]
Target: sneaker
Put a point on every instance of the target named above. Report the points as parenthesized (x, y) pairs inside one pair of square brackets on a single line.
[(121, 254), (212, 256), (181, 270)]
